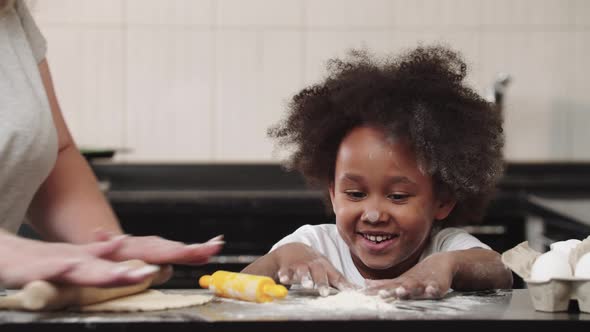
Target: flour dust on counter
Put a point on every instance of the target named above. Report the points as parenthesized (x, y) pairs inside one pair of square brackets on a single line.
[(351, 300), (357, 305)]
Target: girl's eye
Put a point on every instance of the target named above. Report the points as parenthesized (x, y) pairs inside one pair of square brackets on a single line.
[(356, 195), (398, 197)]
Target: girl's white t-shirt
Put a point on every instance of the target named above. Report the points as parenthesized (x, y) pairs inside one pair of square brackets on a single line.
[(326, 240)]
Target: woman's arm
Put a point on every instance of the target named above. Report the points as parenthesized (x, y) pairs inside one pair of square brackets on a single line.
[(65, 263), (69, 205)]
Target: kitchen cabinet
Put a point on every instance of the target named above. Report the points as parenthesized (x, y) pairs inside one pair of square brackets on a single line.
[(255, 205)]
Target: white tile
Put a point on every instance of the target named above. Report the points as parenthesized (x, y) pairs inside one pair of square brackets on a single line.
[(537, 61), (322, 46), (541, 83), (581, 12), (526, 12), (580, 97), (238, 118), (535, 136), (257, 74), (550, 12), (282, 78), (65, 70), (175, 12), (349, 13), (77, 11), (578, 60), (580, 118), (87, 66), (437, 13), (259, 13), (465, 42), (502, 12), (168, 94)]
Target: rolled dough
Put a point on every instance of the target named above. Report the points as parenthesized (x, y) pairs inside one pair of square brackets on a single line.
[(149, 300)]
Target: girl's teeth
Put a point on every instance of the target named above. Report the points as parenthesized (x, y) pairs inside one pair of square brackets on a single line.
[(377, 238)]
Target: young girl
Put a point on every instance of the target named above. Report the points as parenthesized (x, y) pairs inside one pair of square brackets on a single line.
[(405, 150)]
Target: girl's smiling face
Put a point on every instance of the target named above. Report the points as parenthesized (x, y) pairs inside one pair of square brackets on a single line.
[(384, 205)]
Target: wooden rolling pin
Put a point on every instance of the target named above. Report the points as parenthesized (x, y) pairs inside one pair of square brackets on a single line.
[(41, 295)]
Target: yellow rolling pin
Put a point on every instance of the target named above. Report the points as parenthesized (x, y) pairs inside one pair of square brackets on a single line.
[(243, 286)]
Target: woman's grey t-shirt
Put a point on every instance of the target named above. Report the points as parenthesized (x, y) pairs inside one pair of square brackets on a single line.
[(28, 138)]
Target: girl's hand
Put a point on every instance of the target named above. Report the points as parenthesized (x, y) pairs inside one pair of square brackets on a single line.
[(302, 265), (429, 279)]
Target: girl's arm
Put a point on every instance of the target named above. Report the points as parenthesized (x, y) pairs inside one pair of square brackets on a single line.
[(476, 269), (462, 270), (298, 263)]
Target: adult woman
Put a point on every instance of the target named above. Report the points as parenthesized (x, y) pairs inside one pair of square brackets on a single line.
[(44, 179)]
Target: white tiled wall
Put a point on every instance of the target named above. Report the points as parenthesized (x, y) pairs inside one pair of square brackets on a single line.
[(202, 80)]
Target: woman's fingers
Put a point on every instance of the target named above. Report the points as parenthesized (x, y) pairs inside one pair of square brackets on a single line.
[(163, 275), (18, 275), (156, 250), (82, 270), (106, 247), (98, 272)]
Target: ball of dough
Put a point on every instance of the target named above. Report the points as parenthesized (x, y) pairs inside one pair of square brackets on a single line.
[(582, 269), (551, 265), (564, 247)]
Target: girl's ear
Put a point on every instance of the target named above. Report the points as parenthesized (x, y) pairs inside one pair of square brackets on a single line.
[(331, 190), (444, 208)]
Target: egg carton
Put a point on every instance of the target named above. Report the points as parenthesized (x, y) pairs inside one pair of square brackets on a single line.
[(554, 294)]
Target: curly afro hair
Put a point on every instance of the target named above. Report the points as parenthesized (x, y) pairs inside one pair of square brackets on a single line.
[(456, 135)]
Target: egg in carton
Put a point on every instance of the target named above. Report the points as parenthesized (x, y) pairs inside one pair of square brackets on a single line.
[(555, 277)]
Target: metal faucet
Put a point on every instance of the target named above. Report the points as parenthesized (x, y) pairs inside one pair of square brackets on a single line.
[(498, 89)]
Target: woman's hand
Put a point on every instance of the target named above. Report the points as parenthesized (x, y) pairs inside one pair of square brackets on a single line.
[(429, 279), (24, 260), (156, 250)]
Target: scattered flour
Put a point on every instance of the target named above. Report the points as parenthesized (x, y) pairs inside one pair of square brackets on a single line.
[(351, 300), (358, 301), (306, 305)]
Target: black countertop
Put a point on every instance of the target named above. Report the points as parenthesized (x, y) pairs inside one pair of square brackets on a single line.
[(459, 311)]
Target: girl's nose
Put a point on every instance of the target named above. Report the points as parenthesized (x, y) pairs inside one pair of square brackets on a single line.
[(372, 216)]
